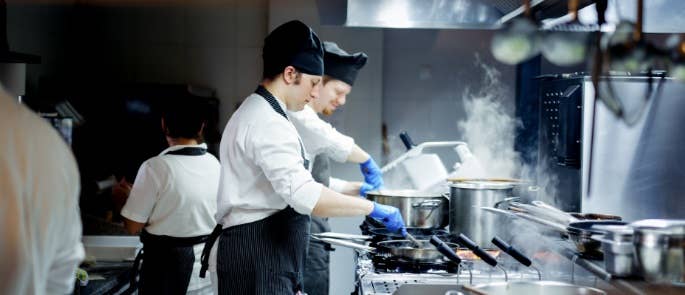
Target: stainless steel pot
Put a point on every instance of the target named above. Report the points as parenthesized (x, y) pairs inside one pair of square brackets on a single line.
[(466, 197), (536, 287), (418, 209), (660, 250), (618, 249)]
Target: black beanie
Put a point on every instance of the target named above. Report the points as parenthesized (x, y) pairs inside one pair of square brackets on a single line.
[(340, 64), (292, 44)]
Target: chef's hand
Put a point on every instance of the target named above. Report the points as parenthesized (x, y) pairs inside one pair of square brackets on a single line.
[(365, 188), (390, 216), (372, 173)]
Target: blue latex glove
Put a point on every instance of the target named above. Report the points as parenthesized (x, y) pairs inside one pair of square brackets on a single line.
[(365, 188), (390, 216), (372, 173)]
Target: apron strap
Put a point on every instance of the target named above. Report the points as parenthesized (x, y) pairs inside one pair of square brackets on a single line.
[(261, 91), (133, 282), (188, 151), (204, 259)]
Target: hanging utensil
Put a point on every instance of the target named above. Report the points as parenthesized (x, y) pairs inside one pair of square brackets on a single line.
[(518, 41), (566, 44)]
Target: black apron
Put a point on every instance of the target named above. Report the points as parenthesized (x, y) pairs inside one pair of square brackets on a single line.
[(167, 262), (316, 269), (266, 256)]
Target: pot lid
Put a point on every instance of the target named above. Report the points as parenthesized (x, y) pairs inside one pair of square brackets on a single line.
[(405, 193), (671, 226), (485, 183)]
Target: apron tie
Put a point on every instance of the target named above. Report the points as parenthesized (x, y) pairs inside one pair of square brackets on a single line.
[(204, 259)]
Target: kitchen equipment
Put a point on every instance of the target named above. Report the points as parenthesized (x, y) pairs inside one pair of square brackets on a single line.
[(580, 233), (420, 170), (484, 255), (478, 224), (536, 287), (406, 249), (418, 209), (612, 178), (618, 249), (660, 249), (411, 238), (344, 240), (111, 248), (515, 253), (518, 41), (383, 234), (566, 44)]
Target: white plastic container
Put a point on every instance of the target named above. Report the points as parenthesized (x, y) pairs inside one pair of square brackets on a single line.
[(112, 248)]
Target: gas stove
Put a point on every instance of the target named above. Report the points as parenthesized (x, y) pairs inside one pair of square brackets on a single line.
[(383, 274)]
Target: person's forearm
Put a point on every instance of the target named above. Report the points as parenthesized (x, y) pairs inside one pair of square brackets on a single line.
[(332, 204), (351, 188), (357, 155)]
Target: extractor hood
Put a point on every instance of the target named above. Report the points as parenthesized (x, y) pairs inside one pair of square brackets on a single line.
[(457, 14)]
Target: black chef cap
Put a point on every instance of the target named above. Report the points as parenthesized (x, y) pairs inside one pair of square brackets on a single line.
[(292, 44), (340, 64)]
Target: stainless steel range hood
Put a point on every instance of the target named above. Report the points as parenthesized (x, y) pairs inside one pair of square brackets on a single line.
[(458, 14), (661, 16)]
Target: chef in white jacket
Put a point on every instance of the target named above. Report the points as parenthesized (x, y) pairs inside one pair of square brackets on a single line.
[(266, 193), (40, 236), (323, 142), (172, 202)]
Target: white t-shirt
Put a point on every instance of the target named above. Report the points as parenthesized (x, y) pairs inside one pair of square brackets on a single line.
[(40, 232), (175, 194), (262, 168)]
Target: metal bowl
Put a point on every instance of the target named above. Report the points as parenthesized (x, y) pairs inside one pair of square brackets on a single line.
[(536, 287)]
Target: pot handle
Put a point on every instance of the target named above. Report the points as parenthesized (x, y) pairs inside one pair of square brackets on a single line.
[(444, 249), (430, 204), (466, 242), (513, 252)]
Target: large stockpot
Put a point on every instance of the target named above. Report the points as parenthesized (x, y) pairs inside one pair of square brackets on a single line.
[(465, 217), (418, 209)]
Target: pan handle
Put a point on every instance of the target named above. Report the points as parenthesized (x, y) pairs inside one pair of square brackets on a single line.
[(445, 249), (466, 242), (520, 257), (408, 143)]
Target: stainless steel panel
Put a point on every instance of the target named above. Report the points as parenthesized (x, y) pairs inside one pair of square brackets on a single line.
[(635, 171)]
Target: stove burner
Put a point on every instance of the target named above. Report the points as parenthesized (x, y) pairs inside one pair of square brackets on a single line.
[(391, 264)]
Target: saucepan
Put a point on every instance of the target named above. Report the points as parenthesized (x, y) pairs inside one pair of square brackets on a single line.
[(426, 251), (400, 248)]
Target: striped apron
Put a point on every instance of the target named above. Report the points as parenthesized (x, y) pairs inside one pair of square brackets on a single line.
[(262, 257)]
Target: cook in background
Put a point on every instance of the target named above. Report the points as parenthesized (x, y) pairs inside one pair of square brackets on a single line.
[(173, 201), (323, 142), (40, 236), (266, 192)]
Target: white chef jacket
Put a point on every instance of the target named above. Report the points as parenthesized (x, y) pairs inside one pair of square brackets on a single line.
[(262, 168), (175, 194), (40, 236), (319, 137)]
